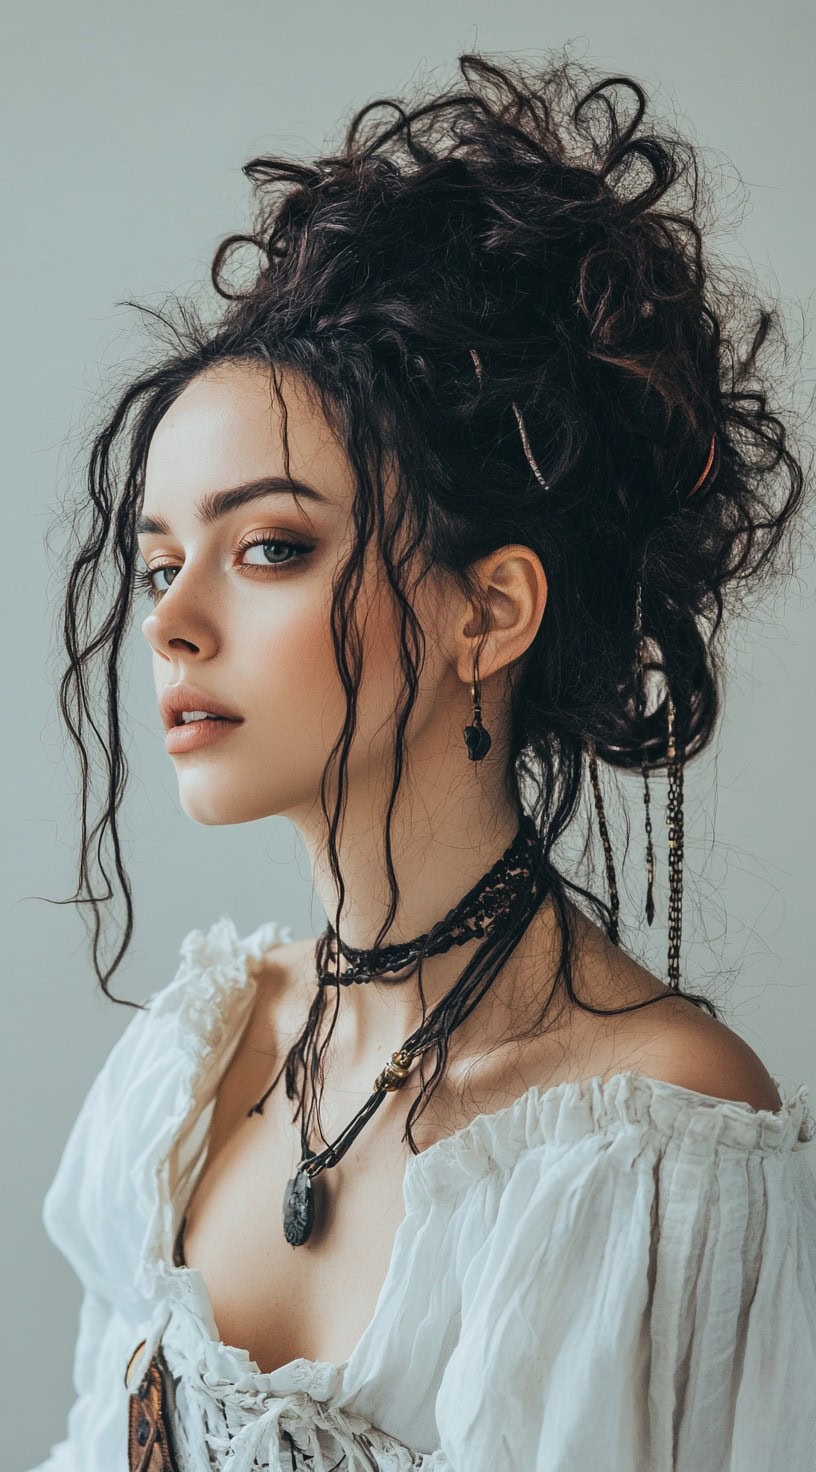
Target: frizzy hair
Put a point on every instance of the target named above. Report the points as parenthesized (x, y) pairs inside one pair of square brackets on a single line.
[(533, 217)]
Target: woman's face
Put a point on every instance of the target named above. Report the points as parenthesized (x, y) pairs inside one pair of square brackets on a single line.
[(248, 625)]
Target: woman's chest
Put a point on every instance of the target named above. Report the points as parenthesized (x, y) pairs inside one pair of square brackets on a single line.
[(314, 1301)]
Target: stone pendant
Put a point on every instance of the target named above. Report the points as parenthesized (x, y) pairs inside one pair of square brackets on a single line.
[(478, 742), (299, 1205)]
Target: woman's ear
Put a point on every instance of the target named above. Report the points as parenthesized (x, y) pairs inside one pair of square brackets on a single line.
[(514, 595)]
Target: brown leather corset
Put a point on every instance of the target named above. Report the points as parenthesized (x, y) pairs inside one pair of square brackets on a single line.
[(150, 1448)]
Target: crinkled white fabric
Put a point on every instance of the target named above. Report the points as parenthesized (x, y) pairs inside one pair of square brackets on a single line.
[(614, 1274)]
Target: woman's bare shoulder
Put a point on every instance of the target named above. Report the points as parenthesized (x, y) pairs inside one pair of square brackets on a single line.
[(285, 990), (631, 1019), (670, 1038), (276, 1018)]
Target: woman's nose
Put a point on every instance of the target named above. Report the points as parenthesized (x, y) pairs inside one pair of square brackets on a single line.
[(180, 620)]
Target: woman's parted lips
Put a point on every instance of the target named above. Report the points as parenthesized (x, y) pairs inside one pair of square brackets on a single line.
[(176, 698)]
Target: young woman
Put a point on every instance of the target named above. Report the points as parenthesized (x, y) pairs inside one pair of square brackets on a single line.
[(443, 512)]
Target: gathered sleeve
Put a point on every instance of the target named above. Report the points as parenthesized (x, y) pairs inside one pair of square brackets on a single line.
[(94, 1436), (95, 1213), (109, 1202), (646, 1302), (89, 1218)]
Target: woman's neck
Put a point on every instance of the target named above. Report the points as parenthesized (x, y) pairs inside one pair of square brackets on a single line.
[(436, 861)]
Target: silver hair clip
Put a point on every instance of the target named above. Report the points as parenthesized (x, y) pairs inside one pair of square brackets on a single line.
[(531, 460)]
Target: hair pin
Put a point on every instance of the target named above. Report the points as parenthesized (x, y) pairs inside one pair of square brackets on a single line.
[(699, 482), (531, 460)]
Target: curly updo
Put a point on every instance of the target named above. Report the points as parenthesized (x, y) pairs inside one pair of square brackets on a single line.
[(534, 218)]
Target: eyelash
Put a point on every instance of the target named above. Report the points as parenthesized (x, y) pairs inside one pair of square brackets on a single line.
[(143, 576)]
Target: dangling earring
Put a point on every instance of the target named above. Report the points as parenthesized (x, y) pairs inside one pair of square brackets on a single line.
[(640, 711), (477, 737), (674, 822), (614, 901)]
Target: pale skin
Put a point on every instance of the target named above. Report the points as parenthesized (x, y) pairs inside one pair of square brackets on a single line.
[(259, 640)]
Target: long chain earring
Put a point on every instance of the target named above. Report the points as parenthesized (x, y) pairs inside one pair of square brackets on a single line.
[(674, 822), (477, 737), (611, 879), (640, 711)]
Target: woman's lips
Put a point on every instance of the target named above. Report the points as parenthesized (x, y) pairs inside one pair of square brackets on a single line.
[(194, 734)]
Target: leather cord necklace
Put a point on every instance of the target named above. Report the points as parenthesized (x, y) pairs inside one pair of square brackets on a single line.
[(489, 902)]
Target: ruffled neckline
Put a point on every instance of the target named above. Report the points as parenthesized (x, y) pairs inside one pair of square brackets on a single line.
[(212, 994), (222, 967), (568, 1111)]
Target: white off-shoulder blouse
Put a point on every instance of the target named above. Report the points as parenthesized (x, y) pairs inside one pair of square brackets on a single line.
[(612, 1275)]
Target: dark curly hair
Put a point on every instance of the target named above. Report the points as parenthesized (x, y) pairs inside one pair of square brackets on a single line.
[(521, 214)]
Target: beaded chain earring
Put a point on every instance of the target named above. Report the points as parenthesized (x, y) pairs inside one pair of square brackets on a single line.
[(675, 751), (674, 805), (674, 822), (640, 711)]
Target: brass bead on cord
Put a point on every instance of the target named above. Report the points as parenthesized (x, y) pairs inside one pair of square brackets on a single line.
[(395, 1073)]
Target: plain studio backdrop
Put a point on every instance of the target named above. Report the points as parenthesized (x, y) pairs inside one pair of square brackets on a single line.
[(125, 130)]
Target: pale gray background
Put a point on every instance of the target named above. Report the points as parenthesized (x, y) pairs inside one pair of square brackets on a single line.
[(125, 129)]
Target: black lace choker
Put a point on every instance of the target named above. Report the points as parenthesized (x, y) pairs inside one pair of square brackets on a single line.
[(488, 902)]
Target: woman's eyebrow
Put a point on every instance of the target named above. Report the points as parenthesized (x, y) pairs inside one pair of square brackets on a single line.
[(220, 503)]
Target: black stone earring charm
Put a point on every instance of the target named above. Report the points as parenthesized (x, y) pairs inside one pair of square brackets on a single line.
[(477, 738)]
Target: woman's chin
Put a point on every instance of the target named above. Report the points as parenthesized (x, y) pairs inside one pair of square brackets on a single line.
[(204, 804)]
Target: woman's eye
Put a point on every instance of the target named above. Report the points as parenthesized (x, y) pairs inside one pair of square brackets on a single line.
[(143, 578), (265, 560), (270, 558)]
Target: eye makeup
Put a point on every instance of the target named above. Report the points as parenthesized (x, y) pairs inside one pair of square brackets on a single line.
[(143, 577)]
